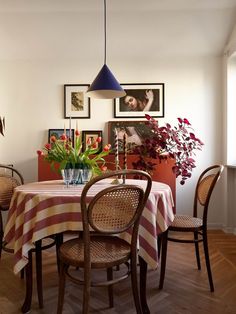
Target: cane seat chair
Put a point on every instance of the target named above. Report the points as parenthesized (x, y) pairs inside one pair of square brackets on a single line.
[(10, 178), (193, 224), (112, 211)]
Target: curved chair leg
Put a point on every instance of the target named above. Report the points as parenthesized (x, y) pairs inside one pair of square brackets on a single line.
[(197, 250), (163, 258), (208, 266), (142, 284), (38, 257), (29, 285), (110, 287), (159, 242), (61, 292), (1, 233), (134, 280)]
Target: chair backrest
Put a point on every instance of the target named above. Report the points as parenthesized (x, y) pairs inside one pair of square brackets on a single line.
[(204, 189), (117, 207), (9, 179)]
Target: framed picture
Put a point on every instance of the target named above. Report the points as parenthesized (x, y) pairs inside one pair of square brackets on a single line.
[(136, 131), (91, 136), (140, 99), (76, 102), (58, 132)]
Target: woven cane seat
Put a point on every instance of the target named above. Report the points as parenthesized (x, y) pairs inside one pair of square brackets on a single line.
[(104, 251), (7, 185), (184, 221)]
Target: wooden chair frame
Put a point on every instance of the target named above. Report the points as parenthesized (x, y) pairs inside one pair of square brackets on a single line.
[(202, 198), (105, 235)]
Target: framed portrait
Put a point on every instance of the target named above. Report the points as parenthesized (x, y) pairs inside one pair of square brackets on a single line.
[(140, 99), (76, 102), (91, 136), (58, 132), (136, 132)]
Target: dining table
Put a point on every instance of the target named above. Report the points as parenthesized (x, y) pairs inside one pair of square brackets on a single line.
[(42, 209)]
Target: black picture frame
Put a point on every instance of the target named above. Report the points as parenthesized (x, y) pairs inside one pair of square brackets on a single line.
[(136, 132), (58, 132), (76, 101), (93, 135), (138, 97)]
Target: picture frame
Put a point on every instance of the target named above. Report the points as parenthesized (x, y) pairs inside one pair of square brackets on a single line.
[(136, 132), (92, 135), (58, 132), (141, 99), (76, 102)]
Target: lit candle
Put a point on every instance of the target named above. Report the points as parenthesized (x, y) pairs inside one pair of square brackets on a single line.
[(64, 128), (70, 128), (116, 150), (125, 151), (77, 125), (125, 155)]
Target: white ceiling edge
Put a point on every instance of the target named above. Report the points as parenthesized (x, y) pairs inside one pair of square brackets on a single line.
[(118, 5)]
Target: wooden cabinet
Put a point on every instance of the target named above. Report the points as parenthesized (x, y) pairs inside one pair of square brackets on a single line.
[(162, 173)]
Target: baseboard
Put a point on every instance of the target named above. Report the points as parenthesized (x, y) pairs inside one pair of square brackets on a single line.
[(229, 229)]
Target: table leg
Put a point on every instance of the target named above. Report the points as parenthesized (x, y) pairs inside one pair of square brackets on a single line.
[(29, 285), (143, 281)]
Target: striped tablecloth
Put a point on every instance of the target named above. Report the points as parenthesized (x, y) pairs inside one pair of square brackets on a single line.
[(45, 208)]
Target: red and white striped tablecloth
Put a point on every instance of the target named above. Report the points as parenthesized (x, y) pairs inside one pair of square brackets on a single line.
[(45, 208)]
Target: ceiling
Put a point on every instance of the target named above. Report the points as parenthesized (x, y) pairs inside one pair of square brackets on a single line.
[(32, 29)]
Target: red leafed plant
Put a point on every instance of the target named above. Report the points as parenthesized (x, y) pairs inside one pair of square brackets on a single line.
[(178, 142)]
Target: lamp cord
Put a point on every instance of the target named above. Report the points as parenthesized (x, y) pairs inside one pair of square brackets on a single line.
[(105, 33)]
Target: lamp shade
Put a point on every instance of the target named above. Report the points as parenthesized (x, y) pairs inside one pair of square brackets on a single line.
[(105, 86)]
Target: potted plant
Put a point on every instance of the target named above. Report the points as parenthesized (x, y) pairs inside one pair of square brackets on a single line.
[(178, 142)]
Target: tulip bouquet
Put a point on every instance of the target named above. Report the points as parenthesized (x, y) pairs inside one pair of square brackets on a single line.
[(63, 152)]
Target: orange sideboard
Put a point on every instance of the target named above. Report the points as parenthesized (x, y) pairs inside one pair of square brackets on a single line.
[(163, 170)]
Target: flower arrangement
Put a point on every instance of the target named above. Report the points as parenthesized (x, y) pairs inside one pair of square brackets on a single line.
[(178, 142), (62, 151)]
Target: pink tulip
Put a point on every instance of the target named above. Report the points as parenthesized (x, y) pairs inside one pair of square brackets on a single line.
[(53, 139), (99, 139), (40, 152), (48, 146), (103, 168), (77, 133), (63, 137), (106, 148)]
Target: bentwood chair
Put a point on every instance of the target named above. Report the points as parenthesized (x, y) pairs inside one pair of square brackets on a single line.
[(112, 211), (193, 224), (9, 179)]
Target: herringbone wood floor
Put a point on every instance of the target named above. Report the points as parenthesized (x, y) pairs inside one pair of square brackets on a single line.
[(185, 290)]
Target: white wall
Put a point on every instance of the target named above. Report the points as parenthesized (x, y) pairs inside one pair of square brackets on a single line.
[(31, 98)]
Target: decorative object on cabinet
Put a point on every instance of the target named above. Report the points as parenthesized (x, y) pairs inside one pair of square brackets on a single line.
[(94, 137), (105, 85), (76, 101), (136, 131), (139, 100)]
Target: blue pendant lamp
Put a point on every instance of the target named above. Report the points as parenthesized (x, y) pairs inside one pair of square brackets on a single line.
[(105, 85)]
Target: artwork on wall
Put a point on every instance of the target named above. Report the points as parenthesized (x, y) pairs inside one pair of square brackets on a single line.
[(140, 99), (136, 131), (58, 132), (90, 137), (76, 102)]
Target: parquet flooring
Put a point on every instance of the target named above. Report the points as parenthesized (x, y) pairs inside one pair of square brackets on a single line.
[(185, 291)]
